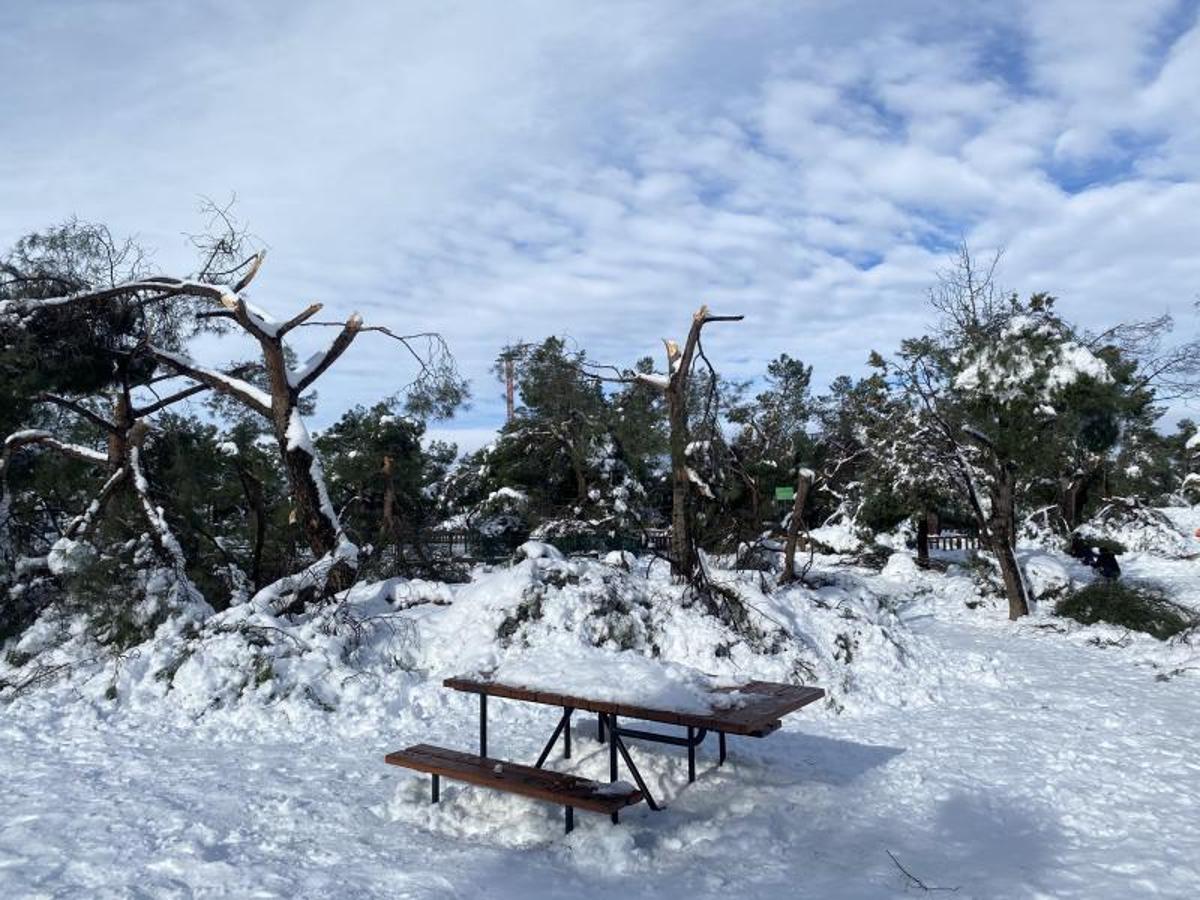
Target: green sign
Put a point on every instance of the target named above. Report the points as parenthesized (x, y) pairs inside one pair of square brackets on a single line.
[(785, 493)]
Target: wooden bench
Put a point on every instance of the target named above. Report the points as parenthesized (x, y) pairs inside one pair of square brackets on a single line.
[(569, 791)]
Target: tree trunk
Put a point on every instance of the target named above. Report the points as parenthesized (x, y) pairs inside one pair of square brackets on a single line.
[(684, 558), (1003, 543), (803, 482), (253, 490), (387, 520), (1073, 499), (118, 436), (313, 512), (923, 539), (581, 486), (683, 548)]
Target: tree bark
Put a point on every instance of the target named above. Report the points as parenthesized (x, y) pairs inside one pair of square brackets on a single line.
[(252, 488), (1002, 537), (803, 483), (1073, 499), (683, 548), (923, 538), (581, 485), (310, 502)]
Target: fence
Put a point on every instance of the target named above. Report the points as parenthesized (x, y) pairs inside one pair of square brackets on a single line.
[(953, 540)]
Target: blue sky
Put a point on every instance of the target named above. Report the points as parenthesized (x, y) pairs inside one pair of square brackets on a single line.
[(506, 171)]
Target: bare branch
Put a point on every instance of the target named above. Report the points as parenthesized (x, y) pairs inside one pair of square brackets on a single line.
[(230, 385), (78, 408), (163, 537), (914, 880), (255, 262), (164, 402), (318, 364), (82, 523), (300, 319)]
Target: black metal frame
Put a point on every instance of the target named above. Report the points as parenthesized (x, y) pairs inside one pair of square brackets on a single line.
[(610, 731)]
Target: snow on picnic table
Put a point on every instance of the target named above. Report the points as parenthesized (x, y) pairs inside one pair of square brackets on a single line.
[(1070, 773), (564, 666)]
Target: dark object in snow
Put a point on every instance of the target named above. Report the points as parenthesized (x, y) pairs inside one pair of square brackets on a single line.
[(1106, 564), (1082, 550), (569, 791), (1099, 556)]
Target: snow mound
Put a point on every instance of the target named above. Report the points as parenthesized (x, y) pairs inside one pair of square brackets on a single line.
[(545, 621), (840, 537), (1047, 576), (1139, 529), (900, 566), (538, 550), (621, 559)]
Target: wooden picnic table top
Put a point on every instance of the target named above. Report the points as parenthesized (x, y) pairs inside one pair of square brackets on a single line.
[(757, 717)]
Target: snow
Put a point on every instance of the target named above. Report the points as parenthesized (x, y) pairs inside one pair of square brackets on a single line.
[(1142, 529), (1017, 366), (1036, 759), (701, 485), (538, 550), (297, 438), (838, 536), (899, 566), (233, 385), (562, 665), (506, 493), (33, 435), (662, 382)]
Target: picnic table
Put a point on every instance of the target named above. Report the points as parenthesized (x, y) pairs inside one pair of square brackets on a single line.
[(754, 709)]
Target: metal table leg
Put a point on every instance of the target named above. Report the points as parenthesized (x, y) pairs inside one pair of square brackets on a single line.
[(483, 724), (691, 749)]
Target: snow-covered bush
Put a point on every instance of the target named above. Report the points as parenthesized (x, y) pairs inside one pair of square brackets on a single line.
[(502, 514), (1138, 528)]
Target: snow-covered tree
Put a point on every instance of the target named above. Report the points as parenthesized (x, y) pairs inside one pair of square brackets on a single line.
[(989, 389)]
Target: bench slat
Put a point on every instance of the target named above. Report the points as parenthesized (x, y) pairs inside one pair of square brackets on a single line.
[(513, 778)]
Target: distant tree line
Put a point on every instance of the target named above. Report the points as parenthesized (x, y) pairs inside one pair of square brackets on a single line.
[(135, 479)]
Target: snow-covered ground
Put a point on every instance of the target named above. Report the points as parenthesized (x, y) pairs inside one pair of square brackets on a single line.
[(1028, 760)]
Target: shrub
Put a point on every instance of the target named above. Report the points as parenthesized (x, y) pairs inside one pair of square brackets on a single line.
[(1099, 543), (1139, 607)]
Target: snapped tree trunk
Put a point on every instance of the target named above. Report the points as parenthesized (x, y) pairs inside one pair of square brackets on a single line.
[(683, 548), (306, 482), (684, 558), (795, 524)]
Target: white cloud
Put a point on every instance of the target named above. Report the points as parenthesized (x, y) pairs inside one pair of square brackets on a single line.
[(505, 171)]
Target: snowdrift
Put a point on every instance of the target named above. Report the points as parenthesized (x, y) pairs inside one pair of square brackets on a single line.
[(618, 624)]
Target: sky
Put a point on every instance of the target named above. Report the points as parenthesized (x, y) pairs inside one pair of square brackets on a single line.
[(508, 171)]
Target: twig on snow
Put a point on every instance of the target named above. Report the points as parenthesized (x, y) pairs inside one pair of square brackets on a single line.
[(914, 880)]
